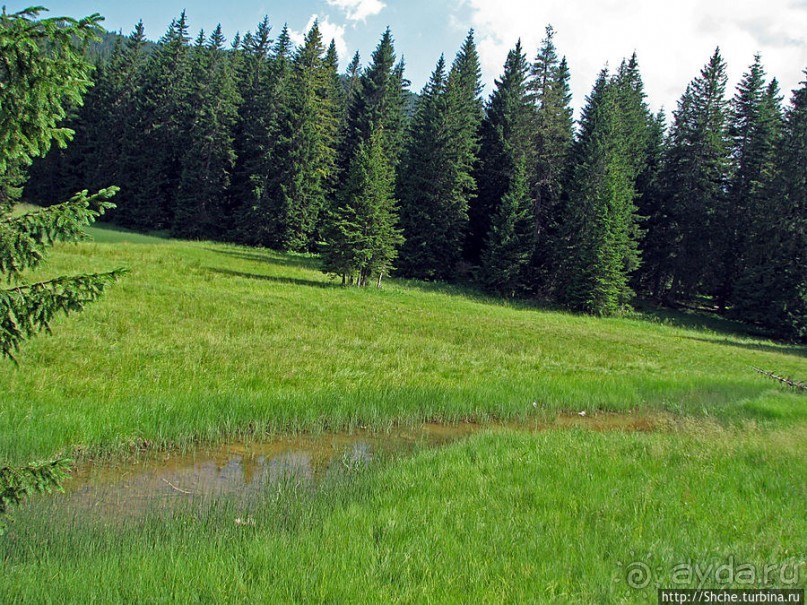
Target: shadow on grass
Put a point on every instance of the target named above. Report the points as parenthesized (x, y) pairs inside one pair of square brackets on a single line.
[(264, 255), (696, 320), (466, 290), (111, 233), (473, 292), (270, 278), (783, 349), (703, 321)]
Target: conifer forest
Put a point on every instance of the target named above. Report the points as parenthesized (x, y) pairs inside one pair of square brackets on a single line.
[(261, 142), (277, 328)]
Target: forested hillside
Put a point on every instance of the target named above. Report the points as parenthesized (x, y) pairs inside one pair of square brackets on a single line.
[(262, 142)]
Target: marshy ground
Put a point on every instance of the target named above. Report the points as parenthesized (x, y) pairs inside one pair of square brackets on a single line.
[(246, 429)]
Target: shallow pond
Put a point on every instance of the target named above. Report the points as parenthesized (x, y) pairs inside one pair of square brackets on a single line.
[(165, 481)]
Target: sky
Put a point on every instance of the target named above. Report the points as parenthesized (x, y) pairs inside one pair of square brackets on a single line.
[(673, 40)]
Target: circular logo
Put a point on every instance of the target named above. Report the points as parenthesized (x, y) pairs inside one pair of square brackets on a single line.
[(638, 575)]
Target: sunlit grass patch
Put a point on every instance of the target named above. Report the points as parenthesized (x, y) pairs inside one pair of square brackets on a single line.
[(557, 516), (206, 340)]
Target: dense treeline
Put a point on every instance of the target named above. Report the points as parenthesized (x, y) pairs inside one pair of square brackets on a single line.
[(266, 143)]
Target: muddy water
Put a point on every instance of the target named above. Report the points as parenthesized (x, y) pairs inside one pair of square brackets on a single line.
[(168, 480)]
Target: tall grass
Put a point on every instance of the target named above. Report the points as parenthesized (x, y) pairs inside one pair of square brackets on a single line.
[(203, 341), (555, 517)]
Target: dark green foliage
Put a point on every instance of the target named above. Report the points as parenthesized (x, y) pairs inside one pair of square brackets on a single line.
[(506, 139), (654, 246), (635, 119), (754, 127), (377, 105), (260, 224), (100, 52), (601, 223), (111, 134), (361, 233), (17, 484), (43, 73), (694, 183), (464, 89), (251, 133), (43, 70), (772, 290), (208, 160), (113, 102), (425, 185), (511, 240), (465, 111), (303, 155), (163, 114), (352, 77), (335, 99), (553, 141), (256, 143), (362, 237), (437, 179)]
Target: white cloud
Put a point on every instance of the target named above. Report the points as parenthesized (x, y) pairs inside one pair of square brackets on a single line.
[(330, 31), (673, 40), (358, 10)]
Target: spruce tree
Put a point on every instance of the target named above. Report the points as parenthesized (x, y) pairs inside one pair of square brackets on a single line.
[(44, 70), (636, 121), (303, 155), (63, 171), (208, 160), (377, 106), (251, 138), (437, 179), (117, 92), (120, 127), (553, 140), (397, 114), (425, 184), (772, 291), (511, 239), (655, 245), (334, 91), (335, 99), (26, 118), (163, 114), (601, 230), (362, 237), (259, 221), (505, 140), (694, 182), (754, 128), (352, 78), (465, 111)]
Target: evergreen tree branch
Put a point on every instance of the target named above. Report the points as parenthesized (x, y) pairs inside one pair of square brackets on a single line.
[(28, 310), (17, 484), (42, 72), (24, 239)]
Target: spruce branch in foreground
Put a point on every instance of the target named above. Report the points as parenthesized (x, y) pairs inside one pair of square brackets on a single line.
[(16, 484), (24, 239), (43, 72)]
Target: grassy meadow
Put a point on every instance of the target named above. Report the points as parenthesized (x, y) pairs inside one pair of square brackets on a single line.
[(555, 517), (205, 342)]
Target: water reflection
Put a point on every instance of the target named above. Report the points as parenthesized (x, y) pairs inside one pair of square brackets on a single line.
[(165, 481)]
